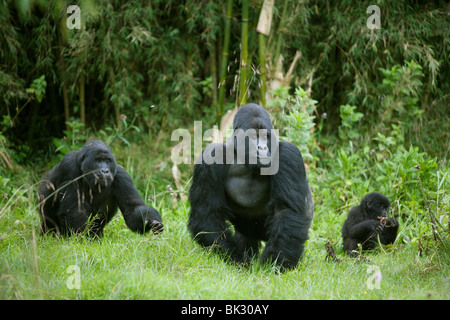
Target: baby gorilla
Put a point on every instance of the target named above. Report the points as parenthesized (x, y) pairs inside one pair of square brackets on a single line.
[(368, 222), (82, 193)]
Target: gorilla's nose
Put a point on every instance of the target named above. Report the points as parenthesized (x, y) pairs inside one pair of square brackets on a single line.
[(263, 150), (105, 172), (262, 147)]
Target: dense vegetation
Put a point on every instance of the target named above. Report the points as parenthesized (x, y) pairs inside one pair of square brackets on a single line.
[(369, 110)]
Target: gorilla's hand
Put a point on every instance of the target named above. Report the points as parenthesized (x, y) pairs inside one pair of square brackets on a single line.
[(378, 227), (152, 219), (388, 222), (156, 226)]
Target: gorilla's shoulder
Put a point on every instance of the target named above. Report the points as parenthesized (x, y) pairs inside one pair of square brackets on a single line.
[(289, 150), (70, 164), (210, 155)]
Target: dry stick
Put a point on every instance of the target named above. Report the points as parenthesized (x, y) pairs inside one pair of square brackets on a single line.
[(331, 253)]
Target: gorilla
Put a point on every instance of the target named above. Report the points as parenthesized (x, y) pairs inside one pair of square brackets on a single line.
[(255, 190), (82, 193), (368, 222)]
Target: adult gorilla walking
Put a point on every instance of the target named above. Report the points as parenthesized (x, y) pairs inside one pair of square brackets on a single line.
[(257, 184), (82, 193)]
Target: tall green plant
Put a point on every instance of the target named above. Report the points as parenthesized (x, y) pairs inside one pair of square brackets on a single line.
[(348, 119), (297, 119)]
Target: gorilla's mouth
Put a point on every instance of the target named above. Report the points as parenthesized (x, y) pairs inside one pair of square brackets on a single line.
[(102, 180), (264, 161)]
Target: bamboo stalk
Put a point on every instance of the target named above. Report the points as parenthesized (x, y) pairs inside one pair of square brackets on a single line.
[(212, 51), (225, 55), (243, 82), (82, 98), (280, 35), (262, 68), (263, 28), (62, 69)]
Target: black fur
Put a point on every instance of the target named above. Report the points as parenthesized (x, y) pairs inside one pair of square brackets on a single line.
[(82, 193), (364, 226), (282, 215)]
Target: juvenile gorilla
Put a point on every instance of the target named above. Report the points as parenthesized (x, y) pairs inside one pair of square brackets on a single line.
[(82, 193), (275, 206), (368, 222)]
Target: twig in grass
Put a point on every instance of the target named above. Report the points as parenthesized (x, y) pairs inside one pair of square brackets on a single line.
[(331, 254)]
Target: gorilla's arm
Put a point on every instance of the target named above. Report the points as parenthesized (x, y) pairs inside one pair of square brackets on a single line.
[(209, 210), (390, 230), (60, 182), (138, 217), (365, 229), (291, 205), (364, 232), (65, 172)]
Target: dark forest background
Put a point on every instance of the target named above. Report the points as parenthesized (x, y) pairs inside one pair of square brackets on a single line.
[(160, 63)]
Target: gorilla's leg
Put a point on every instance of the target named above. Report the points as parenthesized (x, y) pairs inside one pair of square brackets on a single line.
[(287, 232), (96, 226), (73, 221), (248, 247), (390, 232), (212, 231)]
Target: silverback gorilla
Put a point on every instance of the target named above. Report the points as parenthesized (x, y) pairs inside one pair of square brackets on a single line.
[(273, 206), (82, 193), (368, 222)]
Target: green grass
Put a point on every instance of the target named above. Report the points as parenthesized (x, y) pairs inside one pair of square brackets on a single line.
[(124, 265)]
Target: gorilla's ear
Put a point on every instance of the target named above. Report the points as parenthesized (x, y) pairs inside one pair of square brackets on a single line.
[(115, 167), (365, 203), (80, 158)]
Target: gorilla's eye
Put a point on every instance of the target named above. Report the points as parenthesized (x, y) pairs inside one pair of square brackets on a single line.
[(99, 159)]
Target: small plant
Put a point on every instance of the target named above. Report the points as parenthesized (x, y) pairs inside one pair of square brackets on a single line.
[(38, 87), (296, 116), (110, 134), (74, 137), (348, 119)]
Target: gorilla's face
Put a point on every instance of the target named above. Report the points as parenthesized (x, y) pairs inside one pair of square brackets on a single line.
[(254, 140), (375, 205), (97, 165)]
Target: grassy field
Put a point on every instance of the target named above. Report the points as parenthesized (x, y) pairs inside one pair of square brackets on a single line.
[(125, 265), (170, 266)]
